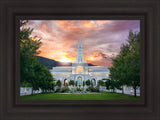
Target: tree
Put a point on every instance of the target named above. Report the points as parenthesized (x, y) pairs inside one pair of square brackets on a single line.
[(118, 70), (71, 82), (132, 60), (101, 82), (112, 84), (28, 50), (88, 82), (51, 86), (108, 84), (59, 84), (46, 81), (126, 66), (32, 72)]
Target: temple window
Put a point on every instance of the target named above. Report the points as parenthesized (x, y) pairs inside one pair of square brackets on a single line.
[(80, 70)]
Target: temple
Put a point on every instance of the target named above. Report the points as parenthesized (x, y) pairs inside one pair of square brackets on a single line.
[(80, 72)]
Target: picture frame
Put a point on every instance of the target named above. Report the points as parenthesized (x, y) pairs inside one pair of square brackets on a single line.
[(146, 108)]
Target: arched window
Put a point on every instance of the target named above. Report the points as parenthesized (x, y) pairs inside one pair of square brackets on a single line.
[(65, 82), (93, 82)]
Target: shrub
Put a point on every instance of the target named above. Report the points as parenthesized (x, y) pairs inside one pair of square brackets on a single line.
[(79, 89), (97, 89), (101, 82), (58, 90), (88, 82), (92, 89), (65, 90)]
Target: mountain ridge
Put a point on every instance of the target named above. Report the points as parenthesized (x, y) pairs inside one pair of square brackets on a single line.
[(49, 63)]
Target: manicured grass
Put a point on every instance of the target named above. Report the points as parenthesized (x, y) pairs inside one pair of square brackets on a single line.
[(100, 96)]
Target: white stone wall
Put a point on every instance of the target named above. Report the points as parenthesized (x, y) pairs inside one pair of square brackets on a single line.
[(28, 91), (129, 90)]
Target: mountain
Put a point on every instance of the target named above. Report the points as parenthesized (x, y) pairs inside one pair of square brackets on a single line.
[(49, 63)]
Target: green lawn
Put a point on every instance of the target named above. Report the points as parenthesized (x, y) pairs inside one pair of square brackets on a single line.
[(100, 96)]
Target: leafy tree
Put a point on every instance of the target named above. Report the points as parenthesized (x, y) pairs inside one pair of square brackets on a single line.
[(88, 82), (28, 50), (45, 79), (26, 84), (32, 72), (59, 83), (126, 66), (108, 84), (101, 83), (51, 86), (118, 70), (71, 82), (112, 84)]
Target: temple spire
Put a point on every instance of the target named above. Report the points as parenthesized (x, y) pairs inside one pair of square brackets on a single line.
[(80, 36), (80, 58)]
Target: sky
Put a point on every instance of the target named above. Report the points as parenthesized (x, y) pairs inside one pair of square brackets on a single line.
[(101, 39)]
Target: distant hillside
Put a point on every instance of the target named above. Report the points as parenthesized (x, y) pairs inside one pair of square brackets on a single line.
[(49, 63)]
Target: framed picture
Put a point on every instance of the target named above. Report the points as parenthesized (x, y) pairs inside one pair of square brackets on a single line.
[(53, 67), (65, 60), (80, 59)]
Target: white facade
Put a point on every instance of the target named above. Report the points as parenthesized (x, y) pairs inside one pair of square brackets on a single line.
[(80, 71)]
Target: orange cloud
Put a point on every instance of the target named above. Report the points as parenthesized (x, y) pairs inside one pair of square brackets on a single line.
[(97, 55), (75, 26), (67, 57), (70, 57), (68, 25), (88, 24), (43, 27), (101, 22)]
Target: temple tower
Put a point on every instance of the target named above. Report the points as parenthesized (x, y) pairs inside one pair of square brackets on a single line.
[(80, 58)]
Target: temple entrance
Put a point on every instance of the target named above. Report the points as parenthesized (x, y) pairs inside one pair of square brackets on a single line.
[(65, 82), (79, 81)]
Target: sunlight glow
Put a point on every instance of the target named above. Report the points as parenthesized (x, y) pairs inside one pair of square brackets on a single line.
[(64, 60)]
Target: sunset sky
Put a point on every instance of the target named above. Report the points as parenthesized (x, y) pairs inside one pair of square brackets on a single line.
[(101, 39)]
